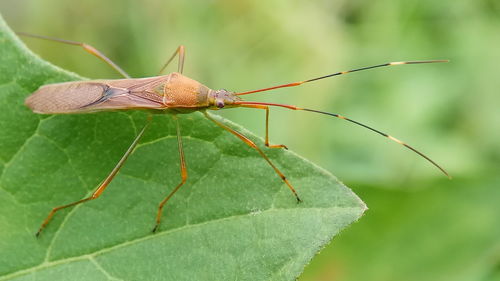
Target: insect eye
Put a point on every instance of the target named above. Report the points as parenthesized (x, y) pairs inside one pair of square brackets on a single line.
[(219, 104)]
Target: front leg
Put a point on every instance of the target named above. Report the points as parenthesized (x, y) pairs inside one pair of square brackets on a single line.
[(266, 142)]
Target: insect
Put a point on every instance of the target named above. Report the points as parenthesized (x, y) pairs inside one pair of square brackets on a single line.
[(173, 94)]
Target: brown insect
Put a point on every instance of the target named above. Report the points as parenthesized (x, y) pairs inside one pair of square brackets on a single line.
[(174, 94)]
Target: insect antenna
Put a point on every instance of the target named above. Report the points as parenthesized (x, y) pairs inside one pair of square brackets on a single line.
[(243, 103), (339, 73)]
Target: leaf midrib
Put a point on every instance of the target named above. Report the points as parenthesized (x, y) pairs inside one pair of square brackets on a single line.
[(163, 233)]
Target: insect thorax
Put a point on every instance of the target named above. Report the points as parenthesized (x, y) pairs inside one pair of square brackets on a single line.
[(181, 91)]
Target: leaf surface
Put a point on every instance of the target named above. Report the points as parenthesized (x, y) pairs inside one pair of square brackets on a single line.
[(234, 218)]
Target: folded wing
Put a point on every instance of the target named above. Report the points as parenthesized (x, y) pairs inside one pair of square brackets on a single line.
[(99, 95)]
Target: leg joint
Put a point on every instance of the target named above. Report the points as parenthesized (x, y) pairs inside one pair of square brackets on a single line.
[(184, 177)]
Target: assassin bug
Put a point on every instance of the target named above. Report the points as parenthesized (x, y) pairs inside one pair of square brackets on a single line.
[(174, 94)]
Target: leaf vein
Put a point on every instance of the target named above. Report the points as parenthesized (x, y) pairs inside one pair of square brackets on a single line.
[(160, 234)]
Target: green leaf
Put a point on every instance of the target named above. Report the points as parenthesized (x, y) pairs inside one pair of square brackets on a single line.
[(234, 219)]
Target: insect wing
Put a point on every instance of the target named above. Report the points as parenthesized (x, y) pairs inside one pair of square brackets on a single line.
[(90, 96)]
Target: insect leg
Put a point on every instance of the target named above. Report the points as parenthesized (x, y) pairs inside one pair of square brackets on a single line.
[(100, 189), (184, 176), (254, 146), (180, 67), (265, 107), (89, 49)]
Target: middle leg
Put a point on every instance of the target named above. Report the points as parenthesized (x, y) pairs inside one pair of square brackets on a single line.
[(180, 67), (184, 176)]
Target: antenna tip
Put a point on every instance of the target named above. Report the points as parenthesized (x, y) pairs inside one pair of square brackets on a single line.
[(440, 61), (416, 62), (445, 173)]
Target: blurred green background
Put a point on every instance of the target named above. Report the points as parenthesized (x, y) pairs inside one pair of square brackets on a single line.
[(420, 225)]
